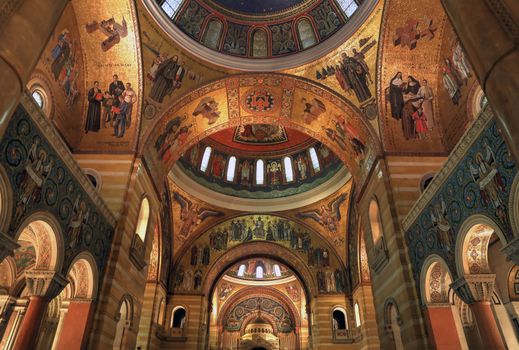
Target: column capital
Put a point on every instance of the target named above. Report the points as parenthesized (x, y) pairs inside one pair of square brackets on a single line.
[(44, 283), (474, 288), (511, 250), (7, 246)]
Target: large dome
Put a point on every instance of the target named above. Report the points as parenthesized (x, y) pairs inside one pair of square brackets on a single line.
[(260, 30)]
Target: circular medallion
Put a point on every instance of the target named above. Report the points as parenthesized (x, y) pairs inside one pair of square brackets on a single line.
[(259, 100)]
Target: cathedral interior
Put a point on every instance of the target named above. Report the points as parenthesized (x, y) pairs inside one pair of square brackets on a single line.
[(259, 174)]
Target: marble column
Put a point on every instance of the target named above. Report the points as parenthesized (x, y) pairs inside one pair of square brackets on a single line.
[(489, 33), (76, 325), (43, 286), (476, 291), (25, 28), (443, 326)]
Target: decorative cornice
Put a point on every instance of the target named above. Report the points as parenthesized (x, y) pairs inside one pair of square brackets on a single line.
[(64, 153), (511, 250), (457, 155)]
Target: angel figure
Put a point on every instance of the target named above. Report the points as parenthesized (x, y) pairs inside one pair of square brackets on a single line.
[(328, 216), (443, 227), (486, 175), (191, 214)]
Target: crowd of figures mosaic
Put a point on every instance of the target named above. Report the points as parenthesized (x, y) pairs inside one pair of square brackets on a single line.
[(329, 273)]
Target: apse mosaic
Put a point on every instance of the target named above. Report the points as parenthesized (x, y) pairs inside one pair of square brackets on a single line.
[(41, 182), (480, 184), (213, 244)]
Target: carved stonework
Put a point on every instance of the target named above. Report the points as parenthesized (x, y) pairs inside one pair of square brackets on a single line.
[(45, 283), (474, 288), (7, 246), (511, 250)]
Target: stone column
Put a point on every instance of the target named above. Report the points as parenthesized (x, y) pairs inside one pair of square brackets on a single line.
[(489, 32), (476, 291), (7, 244), (43, 286), (443, 326), (76, 325), (25, 28)]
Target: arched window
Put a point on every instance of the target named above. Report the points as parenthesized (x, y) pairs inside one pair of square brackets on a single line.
[(306, 33), (289, 172), (231, 167), (38, 98), (357, 315), (277, 270), (212, 33), (170, 7), (241, 270), (375, 222), (179, 317), (426, 180), (260, 172), (259, 272), (348, 6), (205, 159), (315, 160), (339, 319), (259, 43), (143, 218)]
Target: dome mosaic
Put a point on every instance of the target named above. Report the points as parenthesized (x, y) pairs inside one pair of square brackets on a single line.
[(259, 29)]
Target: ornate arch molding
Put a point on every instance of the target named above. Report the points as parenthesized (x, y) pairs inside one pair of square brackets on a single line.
[(260, 249), (254, 292), (6, 201), (297, 109), (474, 234), (85, 274), (513, 205), (435, 280), (51, 240)]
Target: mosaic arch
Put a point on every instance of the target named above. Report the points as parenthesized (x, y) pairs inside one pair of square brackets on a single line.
[(277, 99), (84, 275), (43, 233), (201, 262), (435, 281), (472, 244)]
